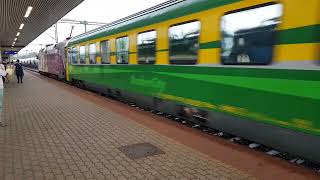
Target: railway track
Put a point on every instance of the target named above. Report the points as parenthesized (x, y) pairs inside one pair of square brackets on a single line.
[(234, 139)]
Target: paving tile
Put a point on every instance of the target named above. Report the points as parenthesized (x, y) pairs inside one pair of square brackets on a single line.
[(55, 134)]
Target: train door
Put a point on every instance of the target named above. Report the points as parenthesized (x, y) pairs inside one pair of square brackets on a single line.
[(68, 56)]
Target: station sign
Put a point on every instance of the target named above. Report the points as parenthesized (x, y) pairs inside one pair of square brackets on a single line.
[(9, 52)]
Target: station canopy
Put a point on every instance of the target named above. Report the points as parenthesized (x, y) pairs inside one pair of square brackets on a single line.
[(21, 21)]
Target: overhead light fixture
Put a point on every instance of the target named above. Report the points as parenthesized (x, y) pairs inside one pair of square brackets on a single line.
[(18, 34), (21, 26), (29, 9), (15, 39)]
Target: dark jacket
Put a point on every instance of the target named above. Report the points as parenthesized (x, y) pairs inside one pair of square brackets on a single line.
[(19, 70)]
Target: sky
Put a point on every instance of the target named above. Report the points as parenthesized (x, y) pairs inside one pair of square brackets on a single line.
[(104, 11)]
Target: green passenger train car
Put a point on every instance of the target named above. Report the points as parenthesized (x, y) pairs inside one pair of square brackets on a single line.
[(246, 67)]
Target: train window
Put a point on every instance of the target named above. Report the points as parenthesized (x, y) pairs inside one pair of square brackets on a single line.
[(82, 54), (74, 54), (92, 53), (147, 47), (184, 43), (105, 52), (248, 35), (122, 45)]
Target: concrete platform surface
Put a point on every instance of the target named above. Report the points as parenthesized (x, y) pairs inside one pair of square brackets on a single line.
[(54, 134)]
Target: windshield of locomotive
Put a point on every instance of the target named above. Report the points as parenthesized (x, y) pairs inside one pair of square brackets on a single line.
[(248, 36)]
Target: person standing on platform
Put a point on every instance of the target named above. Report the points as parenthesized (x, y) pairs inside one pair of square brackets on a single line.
[(19, 71), (5, 68), (9, 72), (3, 73)]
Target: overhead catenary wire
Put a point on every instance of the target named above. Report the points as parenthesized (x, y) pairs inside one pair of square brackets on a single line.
[(135, 16)]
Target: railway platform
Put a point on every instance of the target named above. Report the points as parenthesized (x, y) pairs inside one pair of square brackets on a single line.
[(52, 133)]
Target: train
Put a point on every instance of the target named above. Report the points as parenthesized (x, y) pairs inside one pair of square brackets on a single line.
[(52, 61), (245, 67), (31, 62)]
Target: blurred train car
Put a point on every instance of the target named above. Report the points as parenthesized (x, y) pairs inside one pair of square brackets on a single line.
[(32, 63), (43, 67), (52, 60)]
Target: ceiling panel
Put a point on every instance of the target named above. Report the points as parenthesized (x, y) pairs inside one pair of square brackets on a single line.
[(44, 14)]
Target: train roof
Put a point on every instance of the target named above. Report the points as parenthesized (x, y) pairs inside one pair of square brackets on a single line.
[(162, 12), (52, 48)]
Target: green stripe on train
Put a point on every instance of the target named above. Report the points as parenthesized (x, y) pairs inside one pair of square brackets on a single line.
[(311, 75), (210, 45), (285, 98), (307, 34)]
